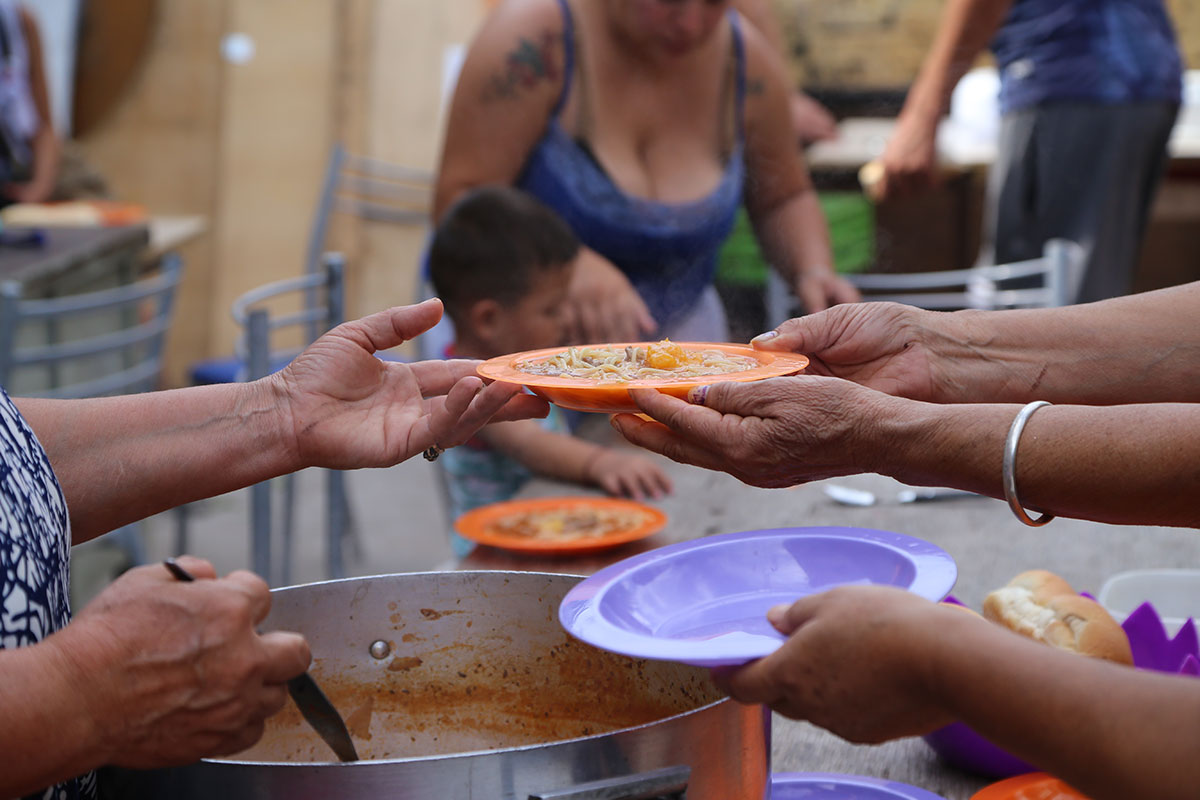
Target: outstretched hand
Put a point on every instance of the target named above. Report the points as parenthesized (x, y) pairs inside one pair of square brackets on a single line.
[(350, 409), (852, 663)]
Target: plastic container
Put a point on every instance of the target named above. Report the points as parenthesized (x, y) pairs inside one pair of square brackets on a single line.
[(1175, 594)]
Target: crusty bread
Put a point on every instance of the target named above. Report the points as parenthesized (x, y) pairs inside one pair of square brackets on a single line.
[(1044, 607)]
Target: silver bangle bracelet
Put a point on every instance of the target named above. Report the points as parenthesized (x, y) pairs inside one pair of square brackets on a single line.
[(1010, 465)]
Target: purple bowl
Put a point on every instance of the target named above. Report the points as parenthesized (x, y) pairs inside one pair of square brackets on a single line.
[(1152, 648), (835, 786), (704, 602)]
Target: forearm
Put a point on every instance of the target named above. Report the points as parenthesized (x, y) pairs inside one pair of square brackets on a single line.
[(966, 28), (1140, 348), (45, 738), (794, 236), (555, 455), (1134, 464), (1109, 731), (121, 459)]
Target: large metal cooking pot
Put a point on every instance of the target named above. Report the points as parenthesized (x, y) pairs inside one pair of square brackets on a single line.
[(462, 686)]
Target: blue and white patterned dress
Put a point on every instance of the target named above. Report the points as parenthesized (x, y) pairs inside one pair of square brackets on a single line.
[(35, 539)]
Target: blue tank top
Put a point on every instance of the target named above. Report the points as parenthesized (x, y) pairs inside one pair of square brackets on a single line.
[(1102, 51), (668, 251)]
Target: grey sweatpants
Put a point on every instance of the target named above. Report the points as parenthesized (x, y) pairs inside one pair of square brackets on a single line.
[(1084, 172)]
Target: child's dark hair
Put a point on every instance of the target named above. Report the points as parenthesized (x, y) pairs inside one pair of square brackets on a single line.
[(491, 243)]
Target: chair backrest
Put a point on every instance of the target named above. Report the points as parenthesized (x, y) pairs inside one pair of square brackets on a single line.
[(1045, 282), (104, 342), (322, 308), (366, 188)]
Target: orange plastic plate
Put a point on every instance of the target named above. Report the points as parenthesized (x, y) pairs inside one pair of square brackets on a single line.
[(1033, 786), (585, 394), (479, 525)]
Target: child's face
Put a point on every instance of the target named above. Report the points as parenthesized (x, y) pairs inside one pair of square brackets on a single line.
[(537, 320)]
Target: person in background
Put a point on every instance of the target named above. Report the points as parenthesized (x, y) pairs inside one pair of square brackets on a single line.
[(501, 261), (1089, 93), (640, 123), (158, 672), (29, 148), (940, 399)]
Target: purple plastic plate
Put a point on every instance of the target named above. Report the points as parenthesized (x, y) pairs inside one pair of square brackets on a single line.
[(832, 786), (704, 602), (1152, 649)]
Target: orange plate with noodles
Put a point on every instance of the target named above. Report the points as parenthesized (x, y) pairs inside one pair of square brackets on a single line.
[(612, 397), (561, 524)]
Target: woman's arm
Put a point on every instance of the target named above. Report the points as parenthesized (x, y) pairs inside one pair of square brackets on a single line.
[(779, 194), (1143, 348), (510, 81), (1131, 464), (46, 147), (811, 121), (966, 27), (873, 663), (120, 459)]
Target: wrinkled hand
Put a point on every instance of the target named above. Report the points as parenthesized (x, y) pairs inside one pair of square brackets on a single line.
[(349, 409), (628, 475), (172, 671), (811, 121), (909, 159), (853, 664), (889, 347), (822, 289), (772, 433), (603, 306)]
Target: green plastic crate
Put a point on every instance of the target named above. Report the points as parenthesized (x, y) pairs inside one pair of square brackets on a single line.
[(851, 219)]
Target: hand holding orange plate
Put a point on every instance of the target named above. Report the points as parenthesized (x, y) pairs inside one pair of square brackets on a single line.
[(588, 394), (485, 524)]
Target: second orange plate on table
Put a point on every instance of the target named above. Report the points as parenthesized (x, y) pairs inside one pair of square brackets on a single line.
[(494, 524), (587, 394)]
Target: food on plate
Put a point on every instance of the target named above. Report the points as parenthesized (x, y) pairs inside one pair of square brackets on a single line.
[(663, 360), (569, 523), (1044, 607)]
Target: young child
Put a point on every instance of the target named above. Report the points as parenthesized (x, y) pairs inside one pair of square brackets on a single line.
[(501, 261)]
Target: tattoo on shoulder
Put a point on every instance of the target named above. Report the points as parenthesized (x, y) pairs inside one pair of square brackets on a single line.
[(756, 87), (526, 65)]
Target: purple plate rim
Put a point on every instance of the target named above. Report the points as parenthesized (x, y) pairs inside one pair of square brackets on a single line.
[(579, 614), (903, 790)]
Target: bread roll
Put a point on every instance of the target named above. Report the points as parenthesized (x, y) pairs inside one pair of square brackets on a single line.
[(1042, 606)]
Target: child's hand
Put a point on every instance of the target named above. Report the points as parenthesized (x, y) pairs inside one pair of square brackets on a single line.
[(628, 475)]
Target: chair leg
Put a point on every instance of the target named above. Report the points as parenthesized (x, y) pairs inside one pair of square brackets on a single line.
[(335, 508), (260, 529), (289, 515), (182, 517)]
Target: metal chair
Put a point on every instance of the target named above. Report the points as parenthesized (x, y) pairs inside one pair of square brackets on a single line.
[(1052, 280), (100, 343), (320, 296), (360, 186)]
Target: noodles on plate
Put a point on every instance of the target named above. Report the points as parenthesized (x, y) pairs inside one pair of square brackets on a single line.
[(565, 524), (663, 360)]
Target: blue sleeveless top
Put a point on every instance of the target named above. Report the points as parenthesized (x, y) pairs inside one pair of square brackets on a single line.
[(1098, 51), (668, 251)]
